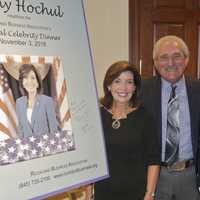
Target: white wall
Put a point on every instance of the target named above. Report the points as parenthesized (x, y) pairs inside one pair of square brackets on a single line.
[(107, 22)]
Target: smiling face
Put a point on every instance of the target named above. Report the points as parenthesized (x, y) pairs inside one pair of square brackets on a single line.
[(122, 88), (171, 61), (30, 83)]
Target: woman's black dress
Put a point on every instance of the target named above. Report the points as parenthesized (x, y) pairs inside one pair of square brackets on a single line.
[(130, 149)]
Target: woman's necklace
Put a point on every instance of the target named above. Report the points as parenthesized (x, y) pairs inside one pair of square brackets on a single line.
[(116, 118), (116, 124)]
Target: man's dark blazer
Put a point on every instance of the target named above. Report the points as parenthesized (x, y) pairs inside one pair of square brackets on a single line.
[(151, 98)]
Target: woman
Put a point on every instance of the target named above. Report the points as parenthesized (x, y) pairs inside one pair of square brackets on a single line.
[(131, 140), (36, 112)]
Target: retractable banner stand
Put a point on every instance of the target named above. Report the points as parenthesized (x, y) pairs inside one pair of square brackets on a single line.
[(52, 141)]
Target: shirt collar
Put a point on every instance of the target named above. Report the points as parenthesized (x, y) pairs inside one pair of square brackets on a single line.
[(166, 84)]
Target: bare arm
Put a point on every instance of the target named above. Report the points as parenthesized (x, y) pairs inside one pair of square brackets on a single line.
[(152, 178)]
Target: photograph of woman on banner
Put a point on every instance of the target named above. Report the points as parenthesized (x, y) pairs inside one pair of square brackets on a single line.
[(35, 111)]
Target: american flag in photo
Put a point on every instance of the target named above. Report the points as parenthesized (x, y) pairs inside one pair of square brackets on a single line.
[(61, 89), (22, 149), (8, 118)]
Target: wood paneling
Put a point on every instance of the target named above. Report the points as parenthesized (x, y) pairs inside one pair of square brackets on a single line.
[(170, 4)]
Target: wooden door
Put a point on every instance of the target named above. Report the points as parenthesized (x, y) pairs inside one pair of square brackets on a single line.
[(151, 19)]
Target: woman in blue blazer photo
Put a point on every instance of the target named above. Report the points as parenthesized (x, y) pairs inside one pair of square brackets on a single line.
[(35, 111)]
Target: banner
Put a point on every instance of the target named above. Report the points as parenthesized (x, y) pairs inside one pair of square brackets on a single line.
[(52, 141)]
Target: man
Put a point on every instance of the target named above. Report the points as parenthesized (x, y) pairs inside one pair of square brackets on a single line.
[(174, 102)]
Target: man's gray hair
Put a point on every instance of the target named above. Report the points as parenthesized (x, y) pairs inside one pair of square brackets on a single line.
[(170, 38)]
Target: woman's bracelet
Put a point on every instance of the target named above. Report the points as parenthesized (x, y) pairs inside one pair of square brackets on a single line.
[(152, 194)]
